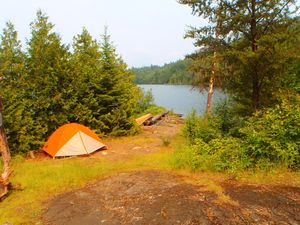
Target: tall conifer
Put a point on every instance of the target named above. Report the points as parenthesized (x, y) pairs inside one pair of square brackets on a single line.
[(47, 79), (12, 72)]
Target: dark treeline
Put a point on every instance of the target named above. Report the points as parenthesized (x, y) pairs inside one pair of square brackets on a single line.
[(51, 83), (171, 73)]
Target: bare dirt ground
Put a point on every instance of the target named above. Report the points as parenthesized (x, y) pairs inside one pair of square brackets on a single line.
[(150, 140), (159, 197)]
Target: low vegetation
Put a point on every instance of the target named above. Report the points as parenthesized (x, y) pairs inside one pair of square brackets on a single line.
[(40, 179), (224, 142)]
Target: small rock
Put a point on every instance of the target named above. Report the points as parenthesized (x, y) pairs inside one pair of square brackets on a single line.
[(136, 148)]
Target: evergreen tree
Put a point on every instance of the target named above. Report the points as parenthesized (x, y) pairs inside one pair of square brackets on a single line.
[(47, 80), (120, 94), (49, 86), (84, 104), (12, 71), (171, 73), (255, 40), (106, 96)]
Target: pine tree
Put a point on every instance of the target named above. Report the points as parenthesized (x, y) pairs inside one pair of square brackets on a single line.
[(254, 38), (105, 95), (86, 76), (12, 71), (46, 81), (120, 94)]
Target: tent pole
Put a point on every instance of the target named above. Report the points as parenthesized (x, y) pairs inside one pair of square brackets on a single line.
[(83, 143)]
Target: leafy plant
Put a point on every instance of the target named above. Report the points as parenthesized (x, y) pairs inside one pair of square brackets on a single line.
[(274, 134), (197, 127)]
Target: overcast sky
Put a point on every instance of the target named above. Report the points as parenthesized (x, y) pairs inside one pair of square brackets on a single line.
[(145, 32)]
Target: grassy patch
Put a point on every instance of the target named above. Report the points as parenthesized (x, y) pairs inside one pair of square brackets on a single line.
[(153, 109), (43, 179)]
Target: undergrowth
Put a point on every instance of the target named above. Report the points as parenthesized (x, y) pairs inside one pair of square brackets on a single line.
[(268, 140)]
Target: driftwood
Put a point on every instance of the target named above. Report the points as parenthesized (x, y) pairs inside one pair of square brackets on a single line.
[(158, 117), (4, 149), (144, 120), (148, 119)]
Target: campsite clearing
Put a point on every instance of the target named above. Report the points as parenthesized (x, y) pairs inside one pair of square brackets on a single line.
[(163, 196), (133, 182)]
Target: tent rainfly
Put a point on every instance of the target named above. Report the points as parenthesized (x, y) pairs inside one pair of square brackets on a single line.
[(72, 139)]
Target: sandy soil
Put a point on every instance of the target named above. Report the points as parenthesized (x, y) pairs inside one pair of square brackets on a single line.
[(157, 197)]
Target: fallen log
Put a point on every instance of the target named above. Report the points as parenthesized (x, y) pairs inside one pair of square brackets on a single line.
[(158, 117), (143, 120)]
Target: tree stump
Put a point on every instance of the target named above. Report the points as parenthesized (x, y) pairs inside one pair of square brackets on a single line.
[(4, 149)]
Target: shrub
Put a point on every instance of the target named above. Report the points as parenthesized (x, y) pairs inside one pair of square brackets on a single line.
[(197, 127), (220, 154), (146, 101), (226, 115), (274, 134)]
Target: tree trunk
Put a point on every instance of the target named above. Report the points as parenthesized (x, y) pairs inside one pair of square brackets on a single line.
[(210, 94), (255, 75), (255, 92), (4, 179), (211, 85)]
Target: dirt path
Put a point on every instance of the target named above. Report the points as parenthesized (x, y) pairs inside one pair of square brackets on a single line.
[(150, 140), (157, 197)]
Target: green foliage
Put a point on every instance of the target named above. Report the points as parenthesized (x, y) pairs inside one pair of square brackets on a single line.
[(197, 127), (253, 47), (210, 147), (146, 101), (48, 85), (44, 83), (268, 139), (274, 134), (252, 44), (220, 154), (121, 94), (172, 73), (226, 115), (12, 70), (146, 104), (154, 110)]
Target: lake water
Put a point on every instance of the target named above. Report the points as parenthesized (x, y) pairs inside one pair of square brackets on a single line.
[(181, 98)]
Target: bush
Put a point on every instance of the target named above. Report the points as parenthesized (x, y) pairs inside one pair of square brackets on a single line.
[(274, 134), (210, 145), (146, 101), (197, 127), (223, 142), (220, 154), (226, 115)]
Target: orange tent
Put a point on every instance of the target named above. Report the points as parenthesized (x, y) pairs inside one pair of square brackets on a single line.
[(72, 139)]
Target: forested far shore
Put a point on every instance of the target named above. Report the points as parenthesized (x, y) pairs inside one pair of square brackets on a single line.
[(170, 73)]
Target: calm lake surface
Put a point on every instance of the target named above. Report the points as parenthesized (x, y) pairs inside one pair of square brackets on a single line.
[(181, 98)]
